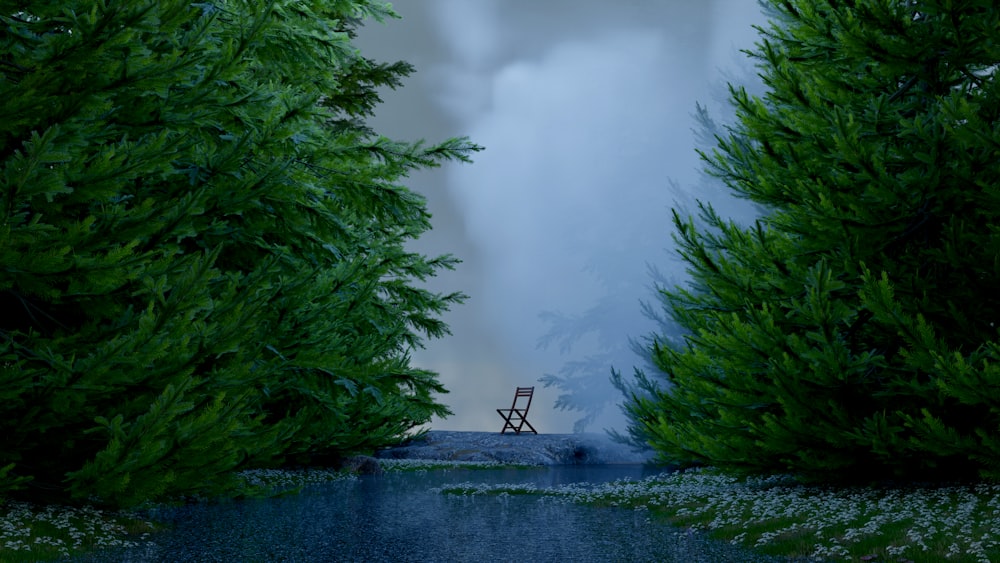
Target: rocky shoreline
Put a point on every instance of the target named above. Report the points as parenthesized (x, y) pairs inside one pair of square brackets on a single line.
[(526, 449)]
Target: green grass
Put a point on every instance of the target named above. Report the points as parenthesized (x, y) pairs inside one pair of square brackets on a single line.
[(31, 532), (45, 533), (777, 516), (772, 515)]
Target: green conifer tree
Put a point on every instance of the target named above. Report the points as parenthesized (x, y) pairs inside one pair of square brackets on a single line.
[(202, 245), (851, 332)]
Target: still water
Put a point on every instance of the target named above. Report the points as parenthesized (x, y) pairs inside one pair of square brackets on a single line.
[(400, 517)]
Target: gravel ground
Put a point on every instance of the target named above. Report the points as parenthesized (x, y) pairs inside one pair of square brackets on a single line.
[(527, 449)]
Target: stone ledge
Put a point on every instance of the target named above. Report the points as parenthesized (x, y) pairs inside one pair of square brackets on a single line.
[(530, 449)]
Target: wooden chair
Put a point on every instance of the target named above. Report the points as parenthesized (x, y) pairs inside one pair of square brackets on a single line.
[(516, 418)]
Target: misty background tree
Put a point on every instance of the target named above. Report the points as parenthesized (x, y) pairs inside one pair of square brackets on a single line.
[(631, 315), (586, 381), (203, 259), (851, 331)]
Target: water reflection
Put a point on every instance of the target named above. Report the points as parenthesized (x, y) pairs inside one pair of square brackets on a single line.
[(397, 517)]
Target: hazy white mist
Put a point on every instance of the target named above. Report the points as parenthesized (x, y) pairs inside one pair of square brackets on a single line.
[(585, 112)]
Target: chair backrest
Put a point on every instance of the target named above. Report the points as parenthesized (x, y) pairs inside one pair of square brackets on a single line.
[(523, 392)]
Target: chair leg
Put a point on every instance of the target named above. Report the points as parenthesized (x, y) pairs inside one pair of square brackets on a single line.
[(516, 418), (528, 424), (507, 421)]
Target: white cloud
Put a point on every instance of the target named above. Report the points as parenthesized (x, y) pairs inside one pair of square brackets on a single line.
[(581, 144), (468, 28), (586, 121)]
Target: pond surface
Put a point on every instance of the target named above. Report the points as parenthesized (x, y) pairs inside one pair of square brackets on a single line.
[(399, 517)]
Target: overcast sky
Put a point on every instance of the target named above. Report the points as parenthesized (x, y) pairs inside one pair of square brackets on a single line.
[(584, 108)]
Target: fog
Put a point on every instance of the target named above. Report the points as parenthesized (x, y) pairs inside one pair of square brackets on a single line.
[(585, 110)]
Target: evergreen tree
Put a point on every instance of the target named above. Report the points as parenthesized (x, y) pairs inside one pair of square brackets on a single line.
[(202, 245), (649, 380), (851, 332), (584, 383)]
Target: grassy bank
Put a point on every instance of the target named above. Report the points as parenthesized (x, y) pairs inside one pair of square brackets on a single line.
[(44, 533), (31, 532), (778, 516), (772, 515)]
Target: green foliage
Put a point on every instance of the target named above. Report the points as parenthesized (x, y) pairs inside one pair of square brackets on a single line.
[(202, 245), (849, 333)]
